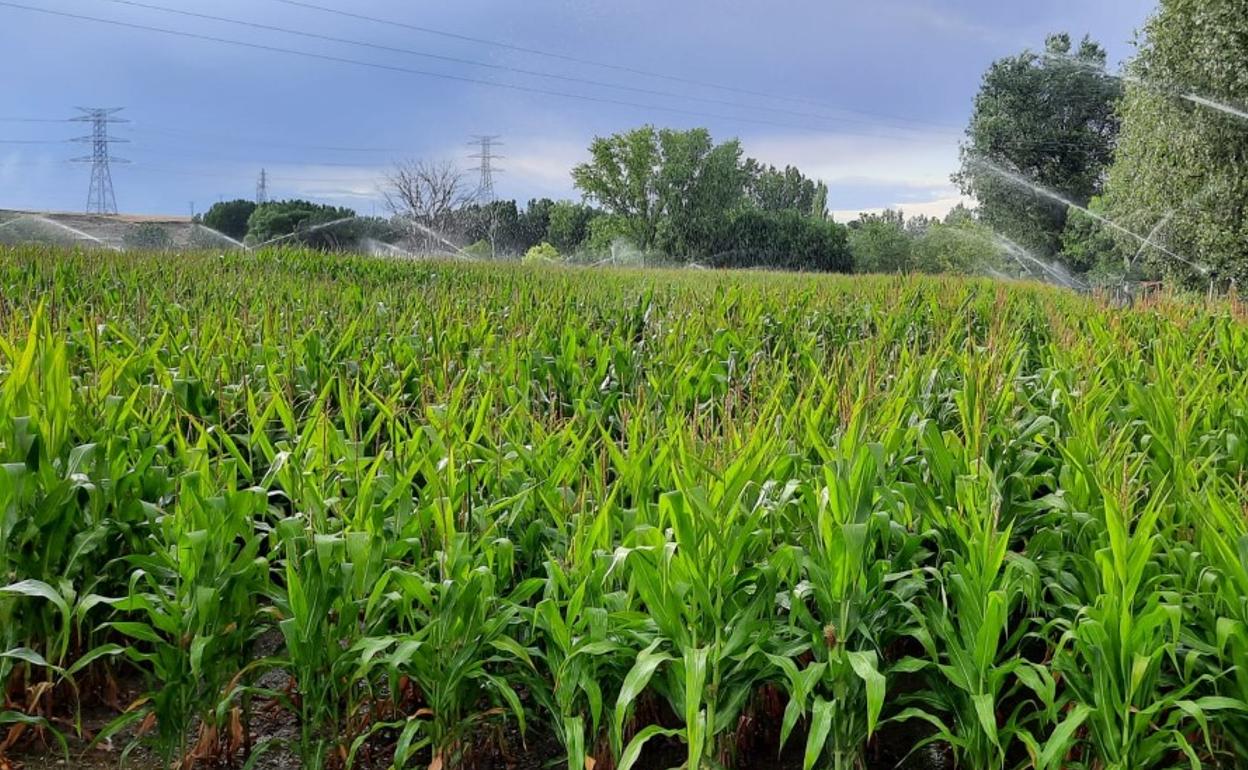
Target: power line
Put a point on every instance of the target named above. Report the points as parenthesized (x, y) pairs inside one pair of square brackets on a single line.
[(586, 62), (426, 73), (242, 175), (261, 142), (490, 65)]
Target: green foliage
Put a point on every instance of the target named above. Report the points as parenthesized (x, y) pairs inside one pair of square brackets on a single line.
[(962, 247), (880, 244), (1181, 160), (419, 510), (1050, 118), (1087, 244), (605, 230), (298, 219), (789, 190), (673, 188), (230, 217), (784, 239), (533, 225), (888, 243), (479, 250), (148, 236), (542, 252), (568, 225)]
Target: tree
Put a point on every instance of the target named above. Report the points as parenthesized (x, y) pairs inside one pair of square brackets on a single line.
[(498, 223), (787, 190), (700, 184), (230, 217), (671, 186), (605, 231), (622, 175), (1086, 243), (1048, 118), (303, 221), (1181, 166), (568, 225), (786, 239), (879, 243), (427, 196), (965, 247), (534, 223)]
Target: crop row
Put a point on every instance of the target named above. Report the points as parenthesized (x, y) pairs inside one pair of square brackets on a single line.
[(415, 506)]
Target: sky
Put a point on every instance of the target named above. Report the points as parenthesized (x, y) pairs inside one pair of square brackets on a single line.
[(870, 96)]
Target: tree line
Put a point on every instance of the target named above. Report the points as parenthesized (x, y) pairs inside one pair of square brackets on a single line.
[(670, 195), (1076, 171)]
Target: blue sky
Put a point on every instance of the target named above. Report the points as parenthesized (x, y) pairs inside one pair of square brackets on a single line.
[(868, 95)]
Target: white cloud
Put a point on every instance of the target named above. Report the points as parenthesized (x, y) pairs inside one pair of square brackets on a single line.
[(348, 185), (937, 207), (898, 160), (543, 166)]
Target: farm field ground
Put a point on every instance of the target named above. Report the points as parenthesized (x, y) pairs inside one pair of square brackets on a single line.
[(308, 510)]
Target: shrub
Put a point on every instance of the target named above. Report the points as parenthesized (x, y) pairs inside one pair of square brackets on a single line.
[(149, 237), (542, 252)]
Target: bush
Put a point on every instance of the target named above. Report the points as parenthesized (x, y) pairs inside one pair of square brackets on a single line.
[(479, 250), (542, 252), (149, 237)]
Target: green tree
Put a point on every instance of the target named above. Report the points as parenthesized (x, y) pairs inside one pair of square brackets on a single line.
[(786, 239), (966, 248), (605, 230), (1048, 118), (1087, 244), (879, 243), (568, 225), (302, 221), (1181, 161), (789, 190), (534, 223), (674, 189), (230, 217)]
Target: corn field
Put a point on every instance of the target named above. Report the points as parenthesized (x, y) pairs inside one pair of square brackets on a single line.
[(425, 511)]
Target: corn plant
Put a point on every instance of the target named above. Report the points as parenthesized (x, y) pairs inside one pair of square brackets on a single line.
[(445, 512)]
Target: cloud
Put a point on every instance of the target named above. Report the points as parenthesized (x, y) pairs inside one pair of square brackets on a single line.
[(346, 185), (898, 160), (937, 207), (542, 166)]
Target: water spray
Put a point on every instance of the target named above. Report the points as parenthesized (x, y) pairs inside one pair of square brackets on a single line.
[(1194, 98), (79, 234), (1022, 181)]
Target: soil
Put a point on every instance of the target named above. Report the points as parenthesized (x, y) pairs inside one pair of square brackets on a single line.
[(890, 749)]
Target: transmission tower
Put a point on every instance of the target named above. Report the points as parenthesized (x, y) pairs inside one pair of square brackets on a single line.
[(262, 188), (485, 145), (100, 198)]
